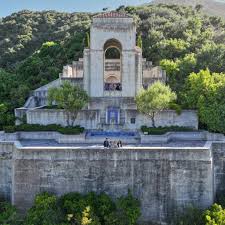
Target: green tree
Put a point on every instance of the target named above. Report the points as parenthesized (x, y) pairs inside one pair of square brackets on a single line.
[(172, 48), (75, 204), (205, 91), (74, 46), (212, 110), (211, 56), (155, 99), (70, 98), (130, 209), (3, 110), (7, 101), (127, 211), (215, 215), (44, 65), (178, 70), (106, 205), (44, 211)]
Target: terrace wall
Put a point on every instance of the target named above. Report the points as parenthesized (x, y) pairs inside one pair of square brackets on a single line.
[(164, 179)]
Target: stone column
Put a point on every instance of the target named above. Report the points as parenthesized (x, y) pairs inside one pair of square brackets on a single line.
[(128, 73), (86, 77), (138, 70), (97, 73)]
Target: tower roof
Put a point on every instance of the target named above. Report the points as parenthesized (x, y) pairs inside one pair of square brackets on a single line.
[(112, 14)]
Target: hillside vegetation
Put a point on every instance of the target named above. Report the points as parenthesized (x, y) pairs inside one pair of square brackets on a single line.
[(24, 32), (34, 46), (99, 209), (211, 7)]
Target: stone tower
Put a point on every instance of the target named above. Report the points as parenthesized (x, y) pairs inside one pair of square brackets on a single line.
[(118, 75)]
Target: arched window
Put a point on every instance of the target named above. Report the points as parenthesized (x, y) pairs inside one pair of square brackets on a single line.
[(112, 65), (112, 53)]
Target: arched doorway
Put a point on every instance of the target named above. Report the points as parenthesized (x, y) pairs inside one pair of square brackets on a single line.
[(112, 65)]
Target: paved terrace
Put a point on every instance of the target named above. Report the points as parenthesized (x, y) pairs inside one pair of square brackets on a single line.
[(53, 143)]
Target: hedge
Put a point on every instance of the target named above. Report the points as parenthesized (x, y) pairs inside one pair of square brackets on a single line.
[(163, 130), (50, 127)]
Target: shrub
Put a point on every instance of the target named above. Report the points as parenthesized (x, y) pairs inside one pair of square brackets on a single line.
[(72, 203), (215, 215), (104, 206), (9, 129), (191, 215), (100, 209), (51, 127), (130, 209), (75, 204), (45, 211), (71, 130), (8, 214), (164, 130)]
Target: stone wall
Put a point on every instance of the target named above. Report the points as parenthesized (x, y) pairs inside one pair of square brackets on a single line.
[(187, 118), (6, 150), (219, 167), (122, 29), (73, 71), (152, 74), (95, 119), (41, 94), (162, 179), (87, 119)]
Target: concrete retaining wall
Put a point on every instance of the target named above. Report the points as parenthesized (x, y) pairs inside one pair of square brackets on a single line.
[(188, 118), (182, 136), (87, 119), (90, 119), (163, 179), (6, 150), (219, 167), (60, 138)]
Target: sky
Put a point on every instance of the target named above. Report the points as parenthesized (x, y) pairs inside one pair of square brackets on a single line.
[(10, 6)]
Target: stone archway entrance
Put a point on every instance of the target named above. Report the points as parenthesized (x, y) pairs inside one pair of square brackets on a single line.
[(112, 66)]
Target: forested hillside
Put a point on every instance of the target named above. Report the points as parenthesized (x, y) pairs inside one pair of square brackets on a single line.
[(34, 46), (211, 7), (24, 32)]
